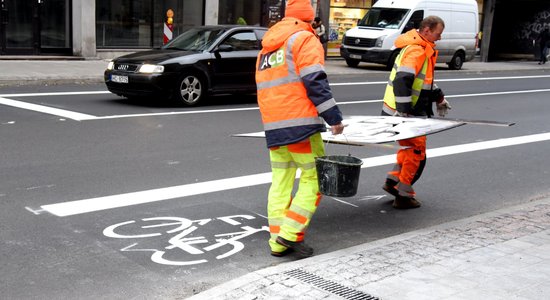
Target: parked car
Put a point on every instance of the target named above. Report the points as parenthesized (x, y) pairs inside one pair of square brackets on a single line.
[(202, 61)]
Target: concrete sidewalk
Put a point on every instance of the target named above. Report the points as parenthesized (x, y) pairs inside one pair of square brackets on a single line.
[(499, 255), (50, 72)]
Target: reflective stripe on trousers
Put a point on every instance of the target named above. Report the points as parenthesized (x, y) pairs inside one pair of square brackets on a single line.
[(289, 216), (409, 165)]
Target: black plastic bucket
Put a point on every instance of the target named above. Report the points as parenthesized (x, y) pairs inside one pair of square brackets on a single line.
[(338, 175)]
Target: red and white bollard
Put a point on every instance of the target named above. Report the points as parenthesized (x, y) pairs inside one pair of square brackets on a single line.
[(168, 26)]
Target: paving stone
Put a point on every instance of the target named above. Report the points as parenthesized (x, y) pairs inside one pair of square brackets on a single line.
[(277, 288), (432, 272), (481, 295), (303, 288), (536, 291), (542, 251)]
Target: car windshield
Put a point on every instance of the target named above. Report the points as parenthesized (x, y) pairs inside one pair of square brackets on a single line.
[(383, 18), (195, 39)]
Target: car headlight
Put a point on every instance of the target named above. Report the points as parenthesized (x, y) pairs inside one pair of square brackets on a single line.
[(151, 69), (379, 41), (111, 65)]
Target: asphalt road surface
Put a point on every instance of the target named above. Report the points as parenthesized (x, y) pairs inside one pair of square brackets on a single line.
[(105, 198)]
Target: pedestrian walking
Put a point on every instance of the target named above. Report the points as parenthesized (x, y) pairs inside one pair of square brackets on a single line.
[(410, 92), (320, 30), (544, 41), (294, 97)]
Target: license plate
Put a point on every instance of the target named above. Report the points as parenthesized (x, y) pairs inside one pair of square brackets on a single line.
[(355, 56), (119, 79)]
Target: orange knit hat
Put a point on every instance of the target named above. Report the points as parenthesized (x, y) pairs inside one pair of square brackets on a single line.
[(300, 9)]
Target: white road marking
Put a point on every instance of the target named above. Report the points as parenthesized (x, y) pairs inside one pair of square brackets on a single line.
[(374, 197), (56, 94), (173, 113), (46, 109), (444, 80), (332, 84), (70, 208), (34, 211), (193, 112), (86, 117), (342, 201)]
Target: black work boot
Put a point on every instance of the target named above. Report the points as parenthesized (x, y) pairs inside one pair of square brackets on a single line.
[(389, 187), (301, 248), (282, 253), (401, 202)]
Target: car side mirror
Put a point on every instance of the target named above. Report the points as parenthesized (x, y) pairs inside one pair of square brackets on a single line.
[(224, 48)]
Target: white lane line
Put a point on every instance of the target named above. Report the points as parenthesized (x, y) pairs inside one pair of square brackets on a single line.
[(175, 113), (100, 203), (56, 94), (85, 117), (46, 109), (256, 108), (70, 208), (444, 80), (332, 84)]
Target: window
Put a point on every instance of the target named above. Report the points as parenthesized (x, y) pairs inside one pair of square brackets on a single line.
[(195, 39), (243, 41), (244, 12), (414, 21), (384, 17), (140, 23)]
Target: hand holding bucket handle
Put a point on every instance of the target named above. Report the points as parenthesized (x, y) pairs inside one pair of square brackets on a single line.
[(337, 129)]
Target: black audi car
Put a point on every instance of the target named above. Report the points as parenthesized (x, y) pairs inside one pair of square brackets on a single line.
[(201, 61)]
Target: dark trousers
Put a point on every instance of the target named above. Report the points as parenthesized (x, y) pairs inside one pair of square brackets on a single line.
[(543, 53)]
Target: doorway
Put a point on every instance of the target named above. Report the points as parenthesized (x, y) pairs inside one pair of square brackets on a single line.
[(35, 27)]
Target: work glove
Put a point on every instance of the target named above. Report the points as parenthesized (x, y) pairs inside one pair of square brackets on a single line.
[(401, 114), (337, 129), (442, 107)]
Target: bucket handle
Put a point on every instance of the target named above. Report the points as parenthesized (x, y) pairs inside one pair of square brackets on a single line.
[(347, 142)]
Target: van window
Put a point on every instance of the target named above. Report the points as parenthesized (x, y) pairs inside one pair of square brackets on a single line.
[(390, 18), (414, 21)]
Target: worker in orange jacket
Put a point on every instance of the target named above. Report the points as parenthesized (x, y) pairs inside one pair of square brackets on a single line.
[(295, 101), (410, 92)]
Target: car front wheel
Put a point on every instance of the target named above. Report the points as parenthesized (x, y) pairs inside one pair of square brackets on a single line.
[(190, 90)]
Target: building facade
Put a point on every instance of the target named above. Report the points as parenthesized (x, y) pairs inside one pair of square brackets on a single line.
[(108, 28)]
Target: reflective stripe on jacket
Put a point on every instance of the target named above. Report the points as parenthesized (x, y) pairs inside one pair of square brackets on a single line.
[(293, 90), (411, 76)]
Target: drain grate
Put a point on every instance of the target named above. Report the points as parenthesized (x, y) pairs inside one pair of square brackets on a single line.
[(330, 286)]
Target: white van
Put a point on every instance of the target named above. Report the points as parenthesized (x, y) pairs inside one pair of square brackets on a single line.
[(373, 38)]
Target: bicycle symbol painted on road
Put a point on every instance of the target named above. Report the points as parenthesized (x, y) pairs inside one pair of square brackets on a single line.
[(183, 243)]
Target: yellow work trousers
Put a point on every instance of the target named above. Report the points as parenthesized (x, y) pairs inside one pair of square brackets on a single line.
[(289, 216)]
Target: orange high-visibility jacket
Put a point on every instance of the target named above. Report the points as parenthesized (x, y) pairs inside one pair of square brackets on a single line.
[(293, 90), (400, 91)]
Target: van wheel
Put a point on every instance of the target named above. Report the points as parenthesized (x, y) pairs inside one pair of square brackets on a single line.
[(190, 90), (352, 62), (457, 61)]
